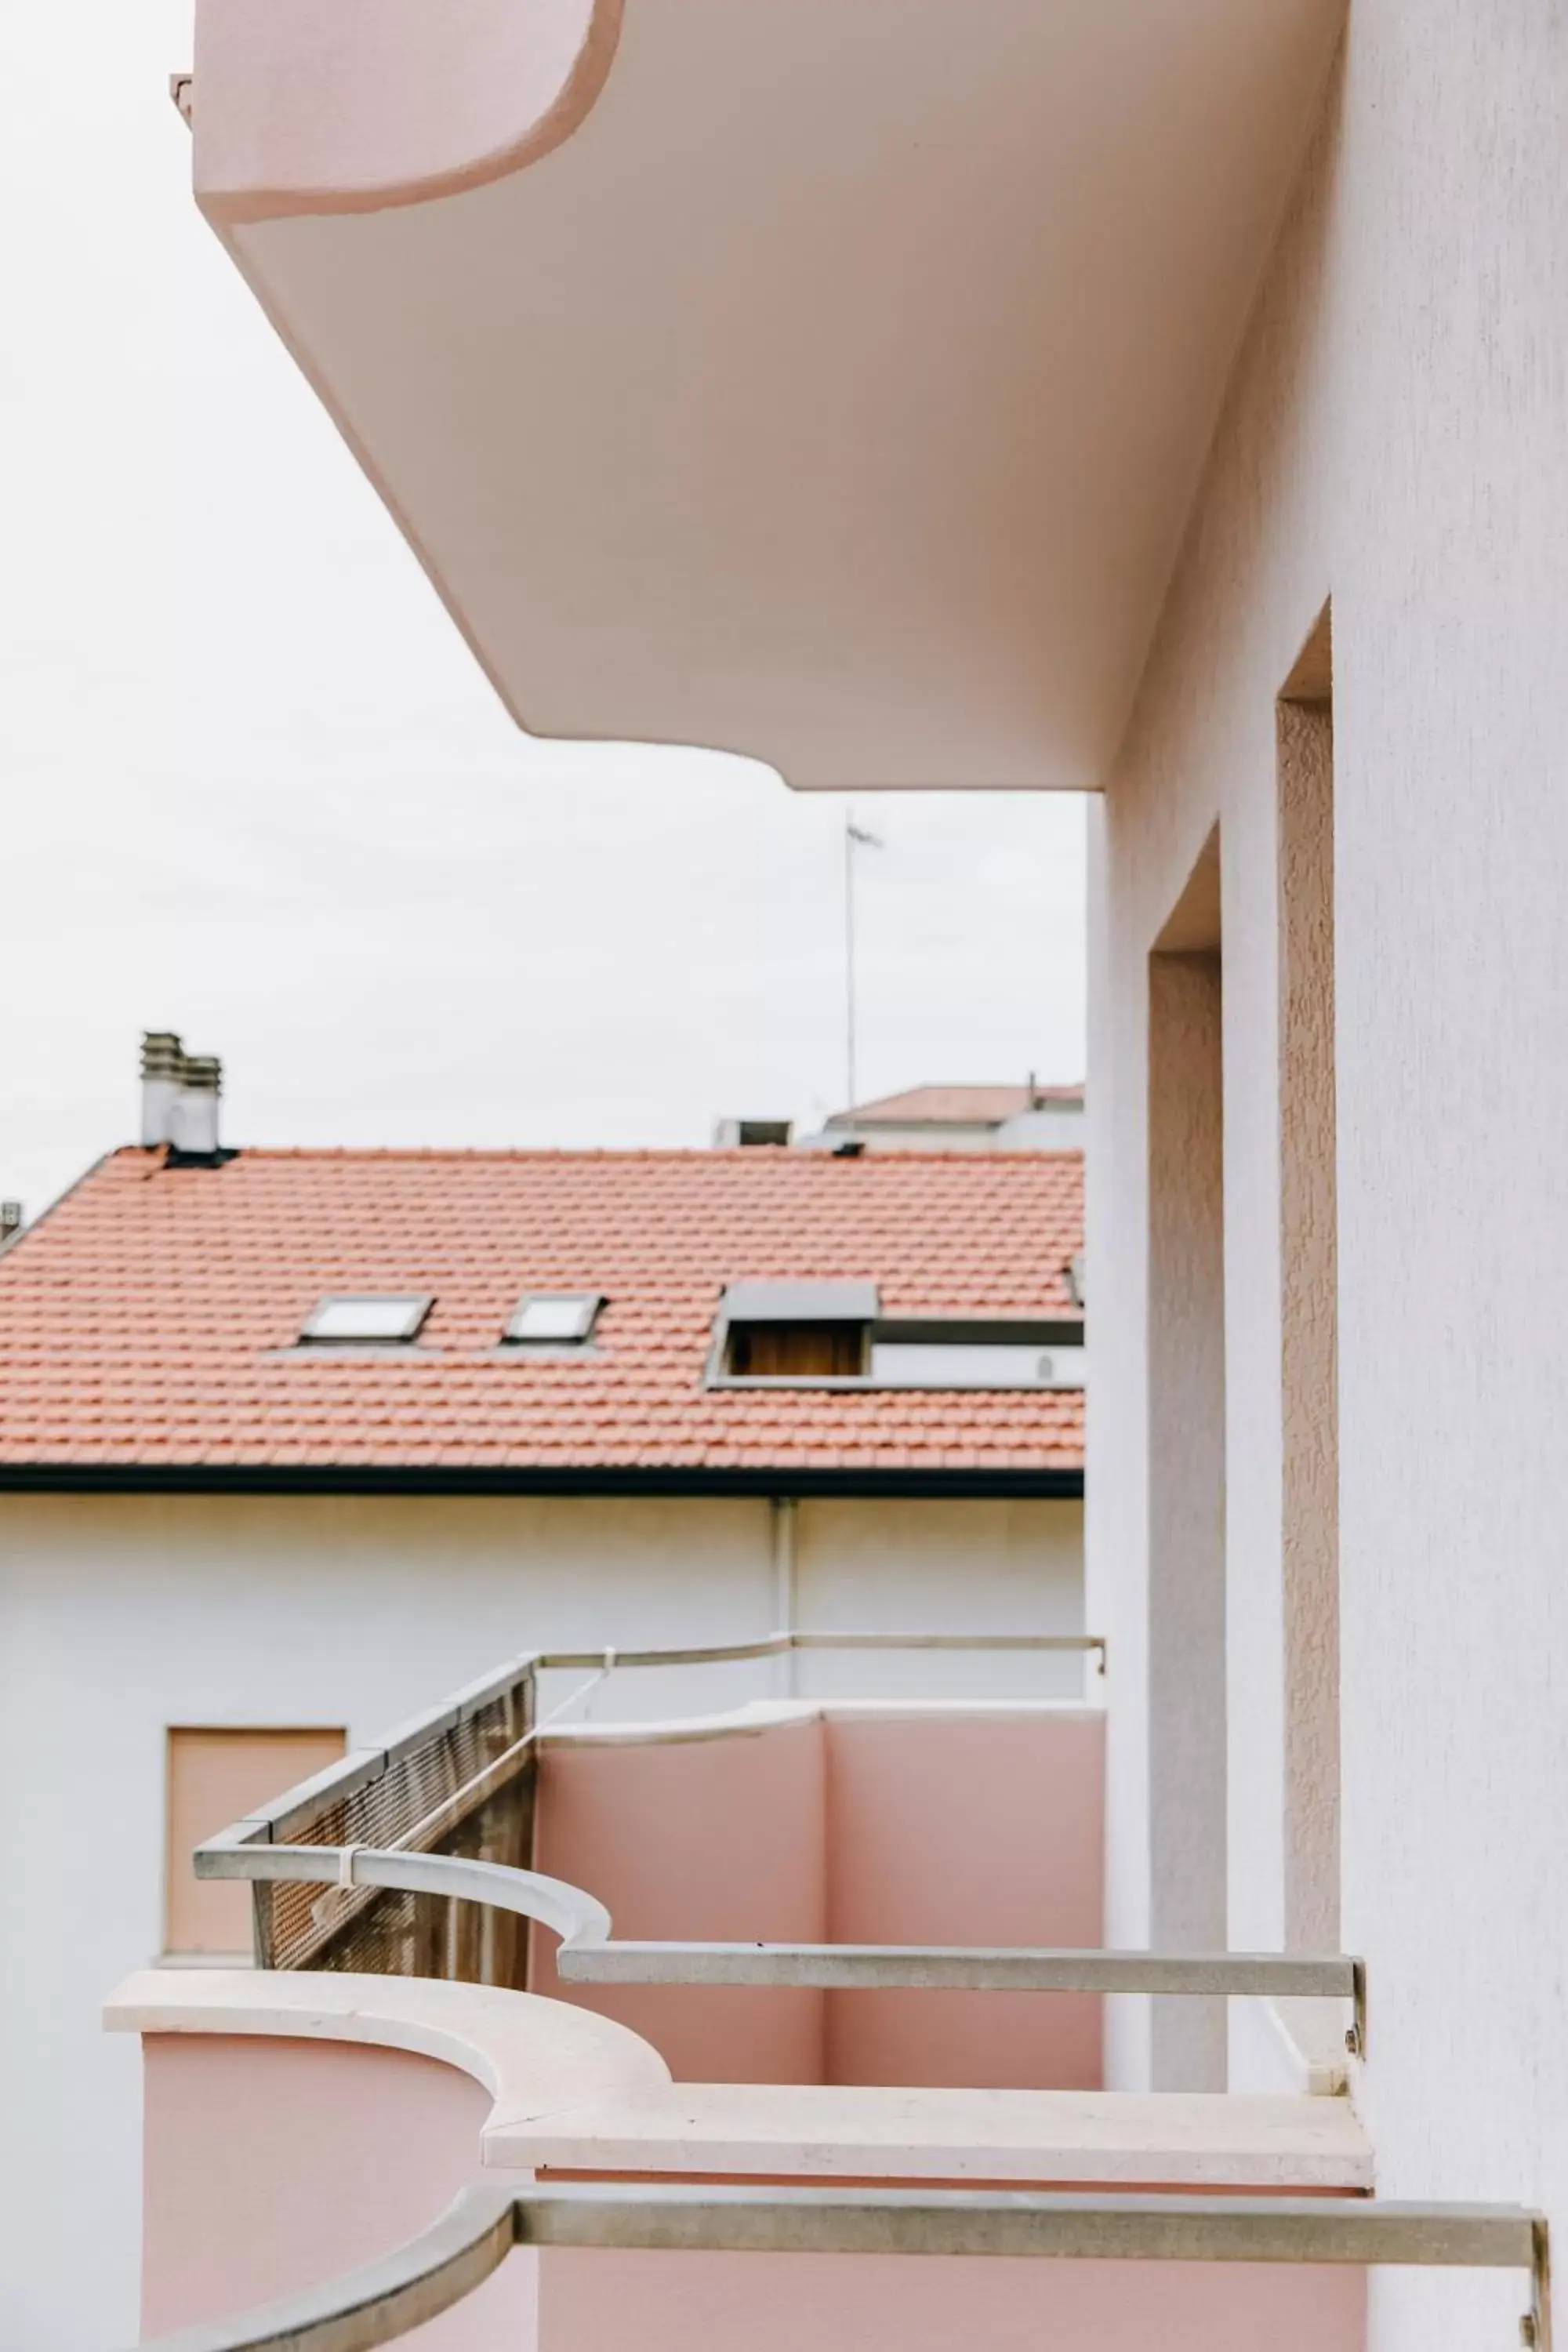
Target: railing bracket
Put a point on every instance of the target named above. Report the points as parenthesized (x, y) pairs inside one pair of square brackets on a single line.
[(1355, 2039)]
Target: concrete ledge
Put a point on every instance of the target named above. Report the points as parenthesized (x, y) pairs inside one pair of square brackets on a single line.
[(856, 2132)]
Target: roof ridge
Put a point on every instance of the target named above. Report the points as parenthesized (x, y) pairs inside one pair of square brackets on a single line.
[(751, 1155)]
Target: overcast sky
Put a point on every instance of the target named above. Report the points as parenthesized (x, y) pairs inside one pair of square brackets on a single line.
[(255, 790)]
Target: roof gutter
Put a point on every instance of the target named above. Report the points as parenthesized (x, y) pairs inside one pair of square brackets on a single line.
[(265, 1478)]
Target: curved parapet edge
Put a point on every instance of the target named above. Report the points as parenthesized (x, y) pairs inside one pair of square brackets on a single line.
[(316, 107), (534, 2057), (384, 2300)]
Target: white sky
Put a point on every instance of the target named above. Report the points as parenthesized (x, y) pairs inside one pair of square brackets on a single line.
[(255, 790)]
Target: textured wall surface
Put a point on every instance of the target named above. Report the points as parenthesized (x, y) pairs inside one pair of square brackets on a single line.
[(1395, 438), (362, 1612), (1308, 1338), (1186, 1502)]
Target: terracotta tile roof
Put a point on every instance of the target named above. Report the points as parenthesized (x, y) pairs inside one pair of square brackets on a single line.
[(954, 1106), (150, 1318)]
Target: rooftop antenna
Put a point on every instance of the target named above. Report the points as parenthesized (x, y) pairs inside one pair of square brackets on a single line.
[(855, 837)]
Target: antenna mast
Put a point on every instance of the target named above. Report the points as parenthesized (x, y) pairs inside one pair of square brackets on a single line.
[(856, 837)]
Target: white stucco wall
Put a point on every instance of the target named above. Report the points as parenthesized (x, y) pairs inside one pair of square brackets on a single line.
[(119, 1616), (1396, 438)]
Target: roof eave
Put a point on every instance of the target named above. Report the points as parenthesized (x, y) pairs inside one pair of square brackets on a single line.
[(1001, 1481)]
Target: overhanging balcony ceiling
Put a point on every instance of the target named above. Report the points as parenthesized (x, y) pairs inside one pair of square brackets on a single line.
[(823, 380)]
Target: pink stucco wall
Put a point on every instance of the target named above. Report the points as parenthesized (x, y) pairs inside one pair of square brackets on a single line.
[(776, 2303), (272, 2165), (714, 1839), (964, 1829), (857, 1828)]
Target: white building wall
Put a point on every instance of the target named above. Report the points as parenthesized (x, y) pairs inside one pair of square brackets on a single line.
[(1396, 438), (120, 1615), (942, 1567)]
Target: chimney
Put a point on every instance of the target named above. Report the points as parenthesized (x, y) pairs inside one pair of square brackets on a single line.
[(196, 1107), (180, 1095), (162, 1061), (10, 1222)]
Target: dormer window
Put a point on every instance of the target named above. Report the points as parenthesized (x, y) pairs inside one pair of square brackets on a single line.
[(558, 1320), (776, 1351), (797, 1330), (833, 1334), (367, 1320)]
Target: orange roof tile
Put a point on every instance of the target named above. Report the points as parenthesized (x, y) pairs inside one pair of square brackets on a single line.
[(150, 1318)]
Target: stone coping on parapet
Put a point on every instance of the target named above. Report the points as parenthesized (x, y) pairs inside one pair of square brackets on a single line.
[(761, 1715), (534, 2057), (574, 2092)]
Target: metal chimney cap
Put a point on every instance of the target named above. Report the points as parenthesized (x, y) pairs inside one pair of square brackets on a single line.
[(202, 1072), (162, 1054)]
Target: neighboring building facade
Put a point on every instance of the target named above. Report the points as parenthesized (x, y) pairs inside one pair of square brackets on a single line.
[(965, 1119), (280, 1541)]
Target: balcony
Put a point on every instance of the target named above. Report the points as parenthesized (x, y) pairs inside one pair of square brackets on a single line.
[(826, 381), (808, 1978)]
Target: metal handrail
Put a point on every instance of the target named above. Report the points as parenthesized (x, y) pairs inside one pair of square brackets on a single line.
[(363, 1764), (495, 1773), (972, 1967), (589, 1954), (384, 2299), (778, 1645)]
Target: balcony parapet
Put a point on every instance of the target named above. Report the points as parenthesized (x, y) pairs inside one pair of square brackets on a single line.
[(793, 2169), (572, 2091), (534, 2057), (482, 2226)]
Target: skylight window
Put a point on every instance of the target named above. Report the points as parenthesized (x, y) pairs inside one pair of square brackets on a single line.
[(565, 1320), (367, 1321)]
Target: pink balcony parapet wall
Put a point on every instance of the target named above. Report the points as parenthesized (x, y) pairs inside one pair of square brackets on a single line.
[(275, 2164), (300, 2124), (842, 1825), (296, 2130), (367, 104), (772, 2302)]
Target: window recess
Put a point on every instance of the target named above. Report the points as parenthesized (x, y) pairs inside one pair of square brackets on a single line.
[(825, 1334)]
